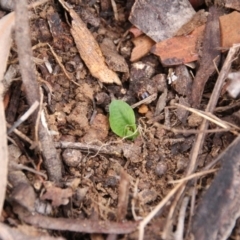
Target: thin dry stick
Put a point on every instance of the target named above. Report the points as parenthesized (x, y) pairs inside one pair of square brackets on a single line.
[(187, 131), (25, 116), (146, 100), (115, 11), (169, 221), (22, 34), (3, 152), (21, 135), (209, 117), (227, 108), (194, 175), (180, 184), (36, 128), (91, 148), (210, 108), (181, 218), (62, 66), (149, 217), (22, 167)]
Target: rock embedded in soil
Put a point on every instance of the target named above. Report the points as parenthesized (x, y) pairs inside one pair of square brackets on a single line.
[(161, 19), (161, 169), (72, 157)]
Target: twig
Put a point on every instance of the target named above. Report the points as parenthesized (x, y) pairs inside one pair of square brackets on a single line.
[(7, 24), (169, 221), (210, 107), (62, 66), (77, 225), (148, 218), (195, 175), (146, 101), (190, 131), (22, 33), (114, 6), (210, 117), (22, 167), (3, 151), (21, 135), (180, 183), (24, 117), (181, 218), (228, 107), (12, 233), (104, 149)]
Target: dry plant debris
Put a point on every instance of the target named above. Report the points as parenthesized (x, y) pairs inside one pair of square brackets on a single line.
[(89, 50), (210, 55), (6, 26), (69, 176), (184, 49)]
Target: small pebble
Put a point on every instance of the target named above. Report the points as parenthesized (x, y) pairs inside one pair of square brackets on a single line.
[(161, 169), (72, 157)]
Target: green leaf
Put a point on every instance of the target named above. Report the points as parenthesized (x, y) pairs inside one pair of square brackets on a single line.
[(122, 119)]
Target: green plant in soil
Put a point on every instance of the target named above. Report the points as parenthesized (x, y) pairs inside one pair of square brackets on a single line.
[(122, 119)]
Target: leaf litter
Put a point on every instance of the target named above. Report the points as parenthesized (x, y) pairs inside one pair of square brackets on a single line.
[(68, 173)]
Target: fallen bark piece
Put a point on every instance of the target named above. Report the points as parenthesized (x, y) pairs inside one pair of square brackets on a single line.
[(210, 52), (219, 208), (179, 50), (184, 49), (76, 225), (89, 49), (160, 19), (22, 35), (143, 45), (6, 26)]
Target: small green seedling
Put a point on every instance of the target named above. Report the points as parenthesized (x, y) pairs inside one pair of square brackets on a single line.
[(122, 119)]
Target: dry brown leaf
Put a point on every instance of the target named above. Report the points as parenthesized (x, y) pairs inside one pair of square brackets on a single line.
[(6, 25), (183, 49), (89, 49)]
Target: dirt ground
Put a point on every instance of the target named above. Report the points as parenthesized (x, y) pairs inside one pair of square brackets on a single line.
[(104, 178)]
